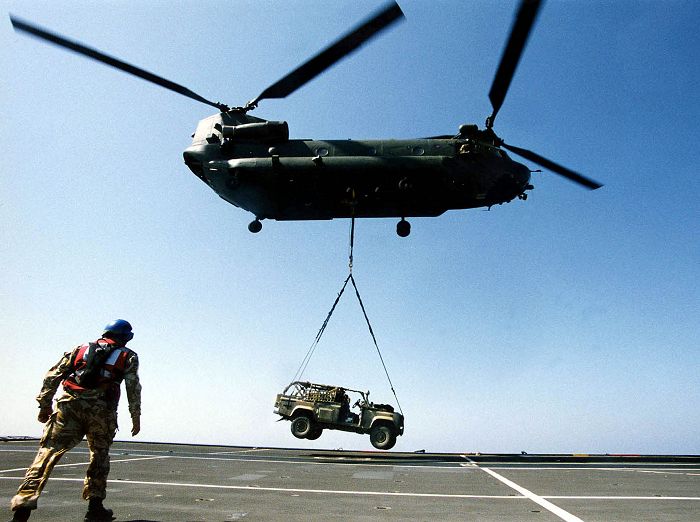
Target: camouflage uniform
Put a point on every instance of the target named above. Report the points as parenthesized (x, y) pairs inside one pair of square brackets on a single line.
[(91, 413)]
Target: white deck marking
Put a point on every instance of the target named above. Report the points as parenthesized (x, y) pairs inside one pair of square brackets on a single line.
[(372, 475), (556, 510), (638, 468), (289, 490), (369, 493), (666, 472), (599, 497), (86, 463), (237, 452), (248, 477), (661, 471)]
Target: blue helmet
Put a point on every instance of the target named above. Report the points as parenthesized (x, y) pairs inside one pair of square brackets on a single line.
[(119, 328)]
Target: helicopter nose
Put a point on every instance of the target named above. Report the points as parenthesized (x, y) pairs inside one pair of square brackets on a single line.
[(523, 176), (523, 180), (516, 182), (194, 161)]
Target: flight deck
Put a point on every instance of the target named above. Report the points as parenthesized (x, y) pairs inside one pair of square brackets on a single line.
[(153, 482)]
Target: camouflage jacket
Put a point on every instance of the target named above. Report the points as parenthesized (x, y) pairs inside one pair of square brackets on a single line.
[(64, 368)]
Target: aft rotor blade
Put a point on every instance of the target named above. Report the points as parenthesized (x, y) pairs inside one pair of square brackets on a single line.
[(554, 167), (332, 54), (79, 48), (524, 21)]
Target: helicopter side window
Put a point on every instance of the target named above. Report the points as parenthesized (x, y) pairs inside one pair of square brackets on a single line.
[(322, 152)]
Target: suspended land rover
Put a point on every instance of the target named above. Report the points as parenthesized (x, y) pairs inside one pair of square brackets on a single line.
[(313, 408)]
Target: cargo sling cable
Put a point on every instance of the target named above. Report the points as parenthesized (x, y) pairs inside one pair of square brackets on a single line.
[(314, 344)]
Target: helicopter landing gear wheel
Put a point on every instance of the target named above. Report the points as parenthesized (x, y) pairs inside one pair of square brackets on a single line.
[(403, 228), (255, 226)]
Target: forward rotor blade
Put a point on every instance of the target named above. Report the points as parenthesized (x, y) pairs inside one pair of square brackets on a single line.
[(332, 54), (524, 21), (554, 167), (79, 48)]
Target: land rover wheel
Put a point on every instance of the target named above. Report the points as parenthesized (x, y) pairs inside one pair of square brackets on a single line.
[(382, 437), (302, 426), (315, 433)]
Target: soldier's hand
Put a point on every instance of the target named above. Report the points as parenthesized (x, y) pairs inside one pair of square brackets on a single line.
[(135, 426), (45, 414)]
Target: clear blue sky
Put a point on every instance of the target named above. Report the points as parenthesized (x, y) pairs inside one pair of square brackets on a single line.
[(566, 323)]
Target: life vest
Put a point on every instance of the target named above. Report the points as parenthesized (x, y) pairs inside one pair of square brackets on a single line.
[(109, 374)]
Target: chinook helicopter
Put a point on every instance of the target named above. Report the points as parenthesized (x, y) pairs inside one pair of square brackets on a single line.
[(253, 164)]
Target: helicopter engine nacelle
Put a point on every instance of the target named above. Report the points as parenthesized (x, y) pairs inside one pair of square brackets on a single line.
[(266, 131)]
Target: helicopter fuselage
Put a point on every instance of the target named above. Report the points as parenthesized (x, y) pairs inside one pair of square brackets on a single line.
[(252, 164)]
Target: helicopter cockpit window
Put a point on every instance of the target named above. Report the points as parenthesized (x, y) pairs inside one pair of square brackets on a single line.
[(208, 130)]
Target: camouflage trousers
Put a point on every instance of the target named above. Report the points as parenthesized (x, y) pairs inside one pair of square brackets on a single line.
[(73, 419)]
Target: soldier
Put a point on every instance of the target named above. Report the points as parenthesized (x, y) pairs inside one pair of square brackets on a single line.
[(91, 376)]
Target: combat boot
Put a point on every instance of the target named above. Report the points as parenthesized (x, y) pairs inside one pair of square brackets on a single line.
[(21, 514), (97, 512)]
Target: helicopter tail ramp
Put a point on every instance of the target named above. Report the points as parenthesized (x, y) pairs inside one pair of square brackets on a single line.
[(152, 481)]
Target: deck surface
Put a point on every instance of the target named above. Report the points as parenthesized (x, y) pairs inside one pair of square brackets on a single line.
[(176, 482)]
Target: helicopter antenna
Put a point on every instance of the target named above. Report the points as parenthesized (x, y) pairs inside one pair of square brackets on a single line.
[(76, 47), (332, 54)]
